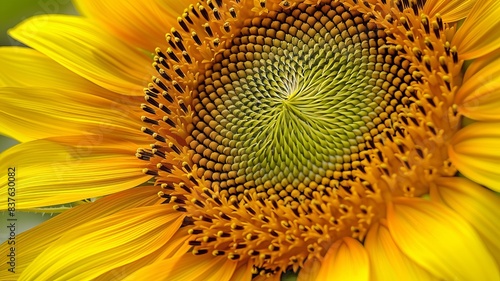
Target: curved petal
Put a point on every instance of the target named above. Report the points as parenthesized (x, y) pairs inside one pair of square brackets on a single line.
[(176, 246), (451, 10), (478, 36), (310, 270), (243, 273), (33, 87), (387, 262), (84, 48), (31, 243), (479, 96), (48, 173), (25, 67), (27, 114), (142, 24), (439, 240), (478, 64), (109, 242), (474, 150), (345, 260), (187, 267), (476, 204)]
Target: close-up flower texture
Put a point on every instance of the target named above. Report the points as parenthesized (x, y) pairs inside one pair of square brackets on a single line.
[(256, 140)]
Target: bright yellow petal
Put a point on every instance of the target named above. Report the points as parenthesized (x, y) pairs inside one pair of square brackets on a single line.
[(439, 240), (27, 67), (30, 113), (187, 267), (450, 10), (33, 88), (479, 64), (387, 262), (142, 24), (31, 243), (95, 247), (176, 246), (345, 260), (48, 173), (475, 151), (476, 204), (479, 96), (86, 49), (480, 33)]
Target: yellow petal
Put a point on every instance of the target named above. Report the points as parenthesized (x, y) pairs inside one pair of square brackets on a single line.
[(476, 204), (478, 64), (142, 24), (479, 34), (450, 10), (27, 67), (176, 246), (479, 96), (187, 267), (33, 87), (97, 246), (387, 262), (31, 243), (310, 270), (439, 240), (29, 114), (242, 273), (345, 260), (86, 49), (48, 173), (474, 150)]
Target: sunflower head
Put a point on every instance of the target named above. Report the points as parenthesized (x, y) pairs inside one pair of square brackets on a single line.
[(319, 137)]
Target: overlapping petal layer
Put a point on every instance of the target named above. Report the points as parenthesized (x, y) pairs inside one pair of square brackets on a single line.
[(43, 99), (188, 267), (87, 50), (110, 242), (50, 173), (478, 36), (142, 24), (387, 262), (476, 204), (479, 97), (439, 240), (346, 259), (474, 150), (450, 10), (31, 243)]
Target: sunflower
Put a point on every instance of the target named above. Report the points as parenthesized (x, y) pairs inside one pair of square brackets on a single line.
[(242, 139)]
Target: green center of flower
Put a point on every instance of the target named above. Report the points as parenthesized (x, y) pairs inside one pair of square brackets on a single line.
[(289, 108)]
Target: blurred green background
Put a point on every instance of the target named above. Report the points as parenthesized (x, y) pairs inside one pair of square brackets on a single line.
[(13, 12)]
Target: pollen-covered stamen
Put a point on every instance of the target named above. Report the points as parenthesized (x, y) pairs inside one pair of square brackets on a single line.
[(437, 70)]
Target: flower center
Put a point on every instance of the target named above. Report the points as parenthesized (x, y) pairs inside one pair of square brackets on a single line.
[(289, 108), (303, 126)]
